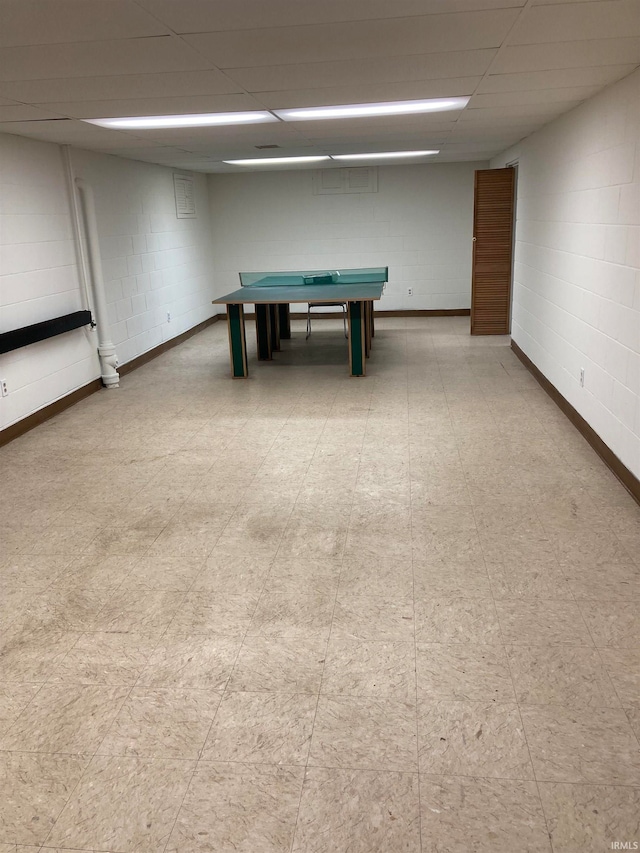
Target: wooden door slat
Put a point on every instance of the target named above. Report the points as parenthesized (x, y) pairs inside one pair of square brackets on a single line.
[(492, 251)]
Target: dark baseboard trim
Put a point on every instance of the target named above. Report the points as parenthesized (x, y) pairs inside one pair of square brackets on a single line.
[(42, 415), (426, 312), (123, 369), (626, 477)]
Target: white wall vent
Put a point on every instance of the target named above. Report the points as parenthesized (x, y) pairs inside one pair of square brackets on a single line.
[(185, 193), (337, 181)]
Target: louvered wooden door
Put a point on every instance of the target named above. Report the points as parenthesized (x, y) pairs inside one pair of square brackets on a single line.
[(492, 252)]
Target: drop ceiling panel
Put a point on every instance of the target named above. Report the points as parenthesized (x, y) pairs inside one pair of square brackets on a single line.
[(396, 36), (393, 69), (68, 131), (369, 94), (193, 16), (30, 22), (577, 54), (541, 96), (24, 112), (259, 134), (517, 112), (125, 56), (491, 134), (120, 87), (573, 21), (554, 2), (156, 106), (556, 79), (390, 140), (373, 126)]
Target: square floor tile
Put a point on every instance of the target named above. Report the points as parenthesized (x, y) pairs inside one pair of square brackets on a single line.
[(491, 814), (14, 698), (244, 808), (122, 803), (33, 792), (532, 622), (65, 718), (436, 579), (364, 733), (199, 663), (90, 572), (361, 811), (281, 665), (561, 675), (162, 723), (592, 745), (463, 672), (457, 620), (224, 615), (377, 669), (164, 572), (613, 624), (370, 618), (104, 659), (623, 668), (472, 739), (590, 817), (262, 728), (36, 572), (292, 615), (528, 581), (145, 611)]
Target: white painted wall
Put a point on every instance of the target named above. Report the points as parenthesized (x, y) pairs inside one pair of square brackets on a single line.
[(419, 224), (153, 263), (576, 301), (38, 278)]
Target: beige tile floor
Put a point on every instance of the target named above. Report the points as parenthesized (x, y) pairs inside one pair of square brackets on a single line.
[(313, 613)]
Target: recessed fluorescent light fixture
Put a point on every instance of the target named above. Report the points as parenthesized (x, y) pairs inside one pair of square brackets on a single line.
[(275, 161), (381, 154), (392, 108), (199, 120)]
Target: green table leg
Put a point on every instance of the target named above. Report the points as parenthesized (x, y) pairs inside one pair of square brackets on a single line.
[(263, 332), (237, 341), (357, 332), (274, 327), (367, 328), (284, 317)]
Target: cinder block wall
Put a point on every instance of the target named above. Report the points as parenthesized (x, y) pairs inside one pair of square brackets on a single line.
[(419, 223), (153, 264), (576, 302)]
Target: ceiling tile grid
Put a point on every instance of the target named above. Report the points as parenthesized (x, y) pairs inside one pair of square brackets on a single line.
[(522, 63)]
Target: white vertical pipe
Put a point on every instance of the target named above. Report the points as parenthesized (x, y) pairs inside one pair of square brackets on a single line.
[(106, 347), (76, 220)]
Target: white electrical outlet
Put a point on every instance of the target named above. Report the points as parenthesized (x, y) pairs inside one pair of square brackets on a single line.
[(168, 317), (4, 387), (582, 376), (409, 291)]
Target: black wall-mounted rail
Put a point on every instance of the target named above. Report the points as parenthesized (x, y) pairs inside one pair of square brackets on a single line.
[(41, 331)]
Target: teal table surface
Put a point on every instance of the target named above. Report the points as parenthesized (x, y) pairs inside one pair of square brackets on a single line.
[(302, 293), (289, 278)]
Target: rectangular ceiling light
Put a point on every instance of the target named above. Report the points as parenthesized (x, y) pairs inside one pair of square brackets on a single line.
[(275, 161), (381, 154), (391, 108), (199, 120)]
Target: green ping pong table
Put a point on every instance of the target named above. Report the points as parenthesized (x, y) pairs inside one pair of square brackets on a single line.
[(272, 293)]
